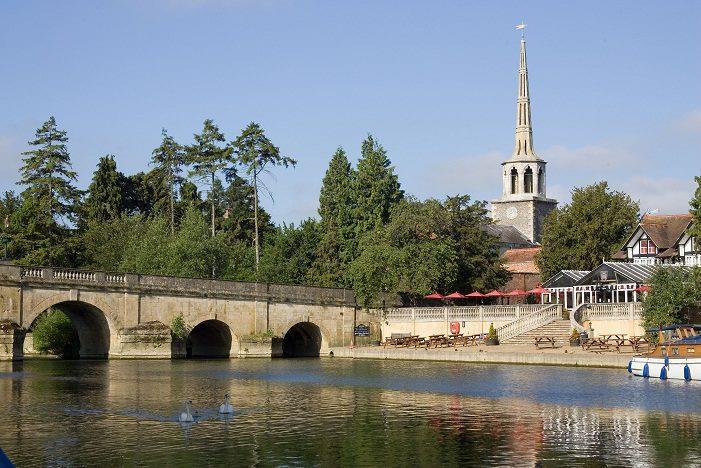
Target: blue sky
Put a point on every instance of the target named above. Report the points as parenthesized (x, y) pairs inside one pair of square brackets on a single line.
[(615, 86)]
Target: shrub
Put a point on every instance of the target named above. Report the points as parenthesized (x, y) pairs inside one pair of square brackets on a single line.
[(177, 327), (54, 334), (674, 296), (492, 332)]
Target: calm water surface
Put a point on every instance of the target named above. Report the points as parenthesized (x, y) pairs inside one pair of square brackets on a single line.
[(336, 412)]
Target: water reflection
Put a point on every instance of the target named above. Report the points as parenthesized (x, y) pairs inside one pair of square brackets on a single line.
[(340, 412)]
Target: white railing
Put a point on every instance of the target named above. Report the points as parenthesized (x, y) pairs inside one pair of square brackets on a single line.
[(529, 322), (120, 278), (74, 275), (32, 273), (621, 311), (499, 313)]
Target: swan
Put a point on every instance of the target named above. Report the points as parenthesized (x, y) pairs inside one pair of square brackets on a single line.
[(186, 416), (226, 407)]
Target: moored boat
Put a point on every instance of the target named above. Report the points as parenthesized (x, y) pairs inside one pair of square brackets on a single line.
[(677, 355)]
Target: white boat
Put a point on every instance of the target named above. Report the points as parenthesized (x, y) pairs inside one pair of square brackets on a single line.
[(674, 356)]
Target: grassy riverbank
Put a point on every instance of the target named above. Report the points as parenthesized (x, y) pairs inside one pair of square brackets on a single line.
[(504, 354)]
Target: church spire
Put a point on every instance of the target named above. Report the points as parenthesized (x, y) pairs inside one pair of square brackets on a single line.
[(523, 149)]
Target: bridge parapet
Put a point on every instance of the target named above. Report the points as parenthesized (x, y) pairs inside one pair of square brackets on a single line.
[(179, 286)]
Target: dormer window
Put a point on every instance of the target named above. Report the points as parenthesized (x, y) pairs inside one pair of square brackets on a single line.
[(647, 247)]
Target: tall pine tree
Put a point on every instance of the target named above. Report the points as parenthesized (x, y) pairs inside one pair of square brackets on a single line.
[(207, 156), (47, 172), (336, 208), (376, 189), (105, 200), (168, 160), (256, 153)]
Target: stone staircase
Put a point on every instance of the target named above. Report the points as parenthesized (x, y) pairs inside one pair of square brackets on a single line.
[(560, 329)]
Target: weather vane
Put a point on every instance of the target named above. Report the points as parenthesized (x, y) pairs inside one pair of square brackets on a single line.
[(522, 27)]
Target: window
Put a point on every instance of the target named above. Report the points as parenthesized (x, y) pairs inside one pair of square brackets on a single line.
[(541, 182), (647, 247), (528, 181), (514, 180)]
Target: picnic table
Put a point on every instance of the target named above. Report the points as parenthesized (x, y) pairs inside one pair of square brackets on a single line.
[(544, 341), (598, 343), (613, 337), (635, 342), (436, 341)]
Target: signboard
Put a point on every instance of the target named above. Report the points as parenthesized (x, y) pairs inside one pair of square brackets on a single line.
[(362, 330)]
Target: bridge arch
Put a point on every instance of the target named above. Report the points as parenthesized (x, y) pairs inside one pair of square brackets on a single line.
[(211, 339), (92, 323), (304, 339)]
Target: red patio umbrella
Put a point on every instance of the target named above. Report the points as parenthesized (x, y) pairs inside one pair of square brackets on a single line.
[(475, 294), (455, 295), (539, 290), (494, 293), (643, 288), (435, 295), (517, 292)]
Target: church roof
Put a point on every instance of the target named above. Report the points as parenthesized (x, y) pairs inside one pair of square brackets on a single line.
[(508, 235), (521, 260)]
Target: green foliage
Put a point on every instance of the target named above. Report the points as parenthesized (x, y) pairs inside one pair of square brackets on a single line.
[(105, 199), (54, 333), (427, 246), (376, 188), (492, 332), (695, 204), (191, 252), (675, 295), (47, 173), (206, 157), (256, 153), (580, 234), (237, 220), (337, 227), (178, 328), (288, 253), (104, 243), (168, 160)]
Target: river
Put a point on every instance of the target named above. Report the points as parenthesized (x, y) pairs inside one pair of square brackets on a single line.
[(339, 412)]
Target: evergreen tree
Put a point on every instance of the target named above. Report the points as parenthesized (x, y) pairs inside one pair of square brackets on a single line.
[(577, 236), (377, 189), (288, 253), (695, 204), (47, 172), (168, 160), (336, 208), (8, 205), (207, 157), (189, 197), (255, 152), (105, 199)]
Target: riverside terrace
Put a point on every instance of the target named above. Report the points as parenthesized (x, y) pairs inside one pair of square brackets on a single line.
[(129, 315)]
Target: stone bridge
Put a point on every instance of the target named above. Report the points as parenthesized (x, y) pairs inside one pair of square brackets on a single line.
[(130, 315)]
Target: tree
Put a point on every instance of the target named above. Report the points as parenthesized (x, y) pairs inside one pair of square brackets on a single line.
[(105, 199), (53, 333), (412, 255), (674, 297), (189, 197), (377, 189), (238, 221), (336, 208), (207, 157), (288, 253), (104, 243), (695, 204), (590, 228), (256, 153), (47, 172), (168, 160), (479, 264)]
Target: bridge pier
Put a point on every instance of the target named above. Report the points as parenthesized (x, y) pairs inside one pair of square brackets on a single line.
[(151, 340), (11, 341)]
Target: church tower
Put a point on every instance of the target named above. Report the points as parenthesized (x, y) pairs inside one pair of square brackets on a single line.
[(523, 203)]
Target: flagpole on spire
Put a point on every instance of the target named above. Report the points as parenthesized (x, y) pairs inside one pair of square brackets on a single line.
[(522, 27)]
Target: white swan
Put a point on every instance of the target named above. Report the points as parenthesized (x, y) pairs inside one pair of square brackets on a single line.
[(186, 416), (226, 407)]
